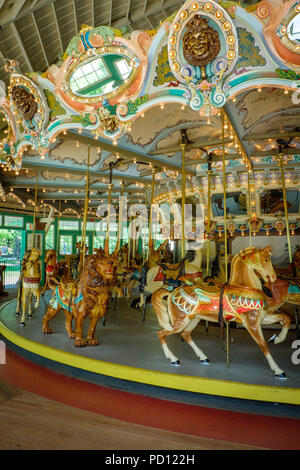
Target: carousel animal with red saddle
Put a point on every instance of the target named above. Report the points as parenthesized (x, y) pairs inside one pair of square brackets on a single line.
[(29, 284), (241, 300), (85, 297), (54, 271)]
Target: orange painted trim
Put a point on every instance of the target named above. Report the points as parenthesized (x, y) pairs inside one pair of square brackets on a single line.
[(285, 53)]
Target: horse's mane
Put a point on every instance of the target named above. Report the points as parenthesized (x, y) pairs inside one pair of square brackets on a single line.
[(92, 283)]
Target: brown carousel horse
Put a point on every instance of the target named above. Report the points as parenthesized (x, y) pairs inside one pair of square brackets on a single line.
[(87, 297), (284, 291), (29, 284), (54, 270), (292, 270), (241, 300)]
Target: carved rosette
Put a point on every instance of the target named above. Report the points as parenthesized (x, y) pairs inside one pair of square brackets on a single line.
[(203, 46)]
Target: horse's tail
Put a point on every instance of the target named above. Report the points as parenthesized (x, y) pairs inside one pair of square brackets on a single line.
[(160, 307)]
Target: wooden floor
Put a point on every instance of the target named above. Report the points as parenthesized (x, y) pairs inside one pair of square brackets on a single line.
[(31, 422)]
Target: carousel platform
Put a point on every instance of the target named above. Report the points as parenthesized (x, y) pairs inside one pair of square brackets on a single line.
[(127, 376)]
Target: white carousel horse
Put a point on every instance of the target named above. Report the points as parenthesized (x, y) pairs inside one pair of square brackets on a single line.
[(158, 276), (29, 283)]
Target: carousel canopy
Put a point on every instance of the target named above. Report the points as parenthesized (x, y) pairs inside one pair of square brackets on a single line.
[(133, 81)]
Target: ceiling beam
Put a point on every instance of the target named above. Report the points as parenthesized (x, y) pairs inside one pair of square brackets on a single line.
[(277, 135), (75, 17), (76, 171), (194, 145), (93, 12), (57, 27), (11, 17), (20, 44), (40, 39), (238, 137), (124, 152), (271, 153)]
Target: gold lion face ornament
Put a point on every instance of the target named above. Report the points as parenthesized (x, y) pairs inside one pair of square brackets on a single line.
[(201, 43)]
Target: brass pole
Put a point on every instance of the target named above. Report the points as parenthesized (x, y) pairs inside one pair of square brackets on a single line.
[(208, 222), (227, 343), (106, 246), (120, 218), (249, 208), (183, 147), (57, 230), (151, 203), (86, 205), (285, 207), (34, 210), (224, 192)]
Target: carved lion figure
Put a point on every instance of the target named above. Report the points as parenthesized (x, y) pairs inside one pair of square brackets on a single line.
[(86, 297)]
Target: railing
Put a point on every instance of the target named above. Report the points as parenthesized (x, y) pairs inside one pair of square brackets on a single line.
[(11, 274)]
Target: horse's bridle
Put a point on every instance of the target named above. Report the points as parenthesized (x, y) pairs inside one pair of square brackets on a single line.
[(244, 257)]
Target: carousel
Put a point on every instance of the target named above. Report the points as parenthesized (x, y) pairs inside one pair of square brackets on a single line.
[(165, 165)]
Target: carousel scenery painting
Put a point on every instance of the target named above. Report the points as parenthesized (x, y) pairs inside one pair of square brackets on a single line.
[(150, 225)]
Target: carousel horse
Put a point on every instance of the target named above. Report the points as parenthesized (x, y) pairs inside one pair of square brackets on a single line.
[(292, 270), (85, 297), (132, 277), (137, 277), (50, 267), (284, 291), (29, 284), (171, 274), (54, 270), (241, 300)]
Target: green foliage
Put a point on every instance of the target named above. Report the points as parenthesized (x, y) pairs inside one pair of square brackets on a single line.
[(288, 74), (10, 239), (133, 106), (249, 54), (83, 119), (55, 108), (163, 69)]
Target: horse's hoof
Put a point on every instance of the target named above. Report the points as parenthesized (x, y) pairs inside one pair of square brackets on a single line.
[(272, 339), (281, 376), (29, 316), (17, 313), (47, 331), (205, 361), (22, 323), (92, 342), (175, 363), (79, 343)]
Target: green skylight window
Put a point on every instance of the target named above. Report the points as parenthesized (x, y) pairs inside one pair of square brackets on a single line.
[(88, 74), (294, 29), (100, 75)]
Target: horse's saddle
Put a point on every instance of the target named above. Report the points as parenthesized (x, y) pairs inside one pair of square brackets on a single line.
[(171, 271)]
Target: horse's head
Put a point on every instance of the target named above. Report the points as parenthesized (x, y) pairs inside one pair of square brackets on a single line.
[(51, 257), (260, 260), (34, 255)]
